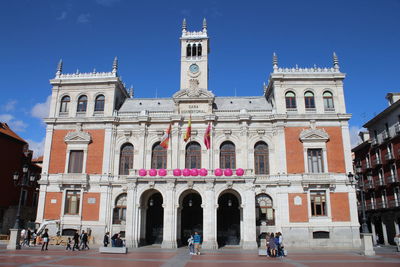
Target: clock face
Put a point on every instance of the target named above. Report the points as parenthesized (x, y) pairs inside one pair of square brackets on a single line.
[(194, 68)]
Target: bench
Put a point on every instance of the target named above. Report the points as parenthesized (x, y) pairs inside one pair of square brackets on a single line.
[(113, 250)]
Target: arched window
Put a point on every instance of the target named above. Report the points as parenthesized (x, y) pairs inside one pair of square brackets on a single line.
[(328, 100), (227, 156), (199, 50), (261, 165), (264, 210), (119, 213), (194, 50), (99, 103), (309, 100), (126, 159), (158, 157), (290, 100), (82, 104), (64, 104), (188, 50), (193, 156)]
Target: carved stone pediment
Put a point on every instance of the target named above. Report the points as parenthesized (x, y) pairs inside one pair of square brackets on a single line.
[(314, 135), (78, 137), (193, 93)]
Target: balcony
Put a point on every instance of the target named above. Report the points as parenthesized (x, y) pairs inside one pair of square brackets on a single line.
[(369, 185), (394, 203), (385, 135), (370, 206), (380, 182), (397, 128), (377, 162), (374, 142), (389, 157), (393, 179), (368, 165), (381, 205)]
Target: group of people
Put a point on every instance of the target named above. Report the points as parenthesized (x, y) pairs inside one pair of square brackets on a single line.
[(116, 240), (194, 242), (26, 236), (80, 241), (275, 246)]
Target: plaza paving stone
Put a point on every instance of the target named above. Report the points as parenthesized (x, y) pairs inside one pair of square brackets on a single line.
[(154, 256)]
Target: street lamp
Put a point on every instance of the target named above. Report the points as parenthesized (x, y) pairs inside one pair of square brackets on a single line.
[(25, 180), (358, 182)]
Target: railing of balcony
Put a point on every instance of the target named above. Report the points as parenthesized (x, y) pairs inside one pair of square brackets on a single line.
[(380, 182), (394, 203), (397, 128), (393, 179), (389, 156), (381, 204), (377, 161), (385, 135)]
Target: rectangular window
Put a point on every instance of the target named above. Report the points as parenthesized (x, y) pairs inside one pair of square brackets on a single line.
[(318, 203), (75, 164), (315, 161), (72, 200)]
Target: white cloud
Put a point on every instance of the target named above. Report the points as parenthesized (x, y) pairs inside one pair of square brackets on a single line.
[(10, 105), (36, 147), (15, 125), (83, 18), (354, 137), (107, 2), (41, 110), (6, 118), (62, 16)]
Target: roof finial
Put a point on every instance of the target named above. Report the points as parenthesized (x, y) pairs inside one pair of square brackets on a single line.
[(115, 66), (59, 68), (184, 24), (275, 62), (131, 91), (335, 61), (204, 24)]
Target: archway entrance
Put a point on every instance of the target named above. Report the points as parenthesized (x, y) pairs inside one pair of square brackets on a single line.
[(152, 214), (228, 220), (190, 214)]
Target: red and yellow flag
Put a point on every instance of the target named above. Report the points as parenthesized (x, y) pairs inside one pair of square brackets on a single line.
[(207, 138), (165, 138), (188, 133)]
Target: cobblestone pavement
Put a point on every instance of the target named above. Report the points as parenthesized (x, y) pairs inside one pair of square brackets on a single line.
[(57, 256)]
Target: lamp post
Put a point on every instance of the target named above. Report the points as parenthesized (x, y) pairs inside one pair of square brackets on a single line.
[(24, 180), (358, 181)]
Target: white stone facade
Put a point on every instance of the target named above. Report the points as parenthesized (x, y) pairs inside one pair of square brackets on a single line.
[(244, 121)]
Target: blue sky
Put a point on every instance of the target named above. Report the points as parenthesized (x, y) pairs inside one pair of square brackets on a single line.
[(88, 34)]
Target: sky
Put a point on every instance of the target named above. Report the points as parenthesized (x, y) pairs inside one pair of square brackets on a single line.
[(88, 34)]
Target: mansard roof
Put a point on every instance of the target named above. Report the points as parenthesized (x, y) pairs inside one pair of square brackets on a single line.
[(221, 103)]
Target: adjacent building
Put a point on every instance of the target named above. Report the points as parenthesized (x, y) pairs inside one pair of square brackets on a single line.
[(376, 160), (273, 162)]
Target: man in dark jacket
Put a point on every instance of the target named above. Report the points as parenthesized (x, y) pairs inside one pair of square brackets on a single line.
[(106, 239), (84, 239), (76, 241)]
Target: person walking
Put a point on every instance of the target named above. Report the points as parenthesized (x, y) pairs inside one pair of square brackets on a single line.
[(272, 245), (113, 238), (84, 240), (76, 241), (106, 239), (397, 242), (191, 245), (69, 244), (197, 242), (28, 237), (45, 239)]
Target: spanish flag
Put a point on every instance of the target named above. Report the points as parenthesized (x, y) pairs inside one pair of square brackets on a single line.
[(207, 137), (165, 138), (188, 133)]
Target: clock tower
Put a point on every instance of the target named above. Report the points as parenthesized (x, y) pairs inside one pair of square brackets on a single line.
[(194, 58)]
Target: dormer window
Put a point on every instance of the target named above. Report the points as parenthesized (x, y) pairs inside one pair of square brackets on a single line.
[(64, 104), (82, 104), (99, 103)]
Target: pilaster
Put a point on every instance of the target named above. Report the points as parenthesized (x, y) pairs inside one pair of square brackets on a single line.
[(169, 231), (209, 218), (131, 211), (249, 218)]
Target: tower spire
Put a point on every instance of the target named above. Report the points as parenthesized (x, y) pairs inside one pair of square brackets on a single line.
[(204, 24), (115, 66), (335, 62), (184, 25), (59, 68), (275, 62)]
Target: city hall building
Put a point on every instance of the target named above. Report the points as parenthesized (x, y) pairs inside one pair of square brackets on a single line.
[(231, 168)]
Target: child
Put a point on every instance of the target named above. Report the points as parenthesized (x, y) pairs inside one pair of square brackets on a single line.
[(69, 244), (191, 245)]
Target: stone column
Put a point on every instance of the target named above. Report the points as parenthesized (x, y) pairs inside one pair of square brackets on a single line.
[(396, 227), (209, 218), (131, 216), (373, 233), (249, 217), (384, 231), (169, 231)]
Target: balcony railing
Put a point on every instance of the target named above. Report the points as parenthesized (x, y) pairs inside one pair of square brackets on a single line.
[(380, 182), (368, 165), (370, 206), (394, 203), (369, 185), (381, 204), (397, 128), (393, 179), (374, 142), (389, 157), (385, 135), (377, 161)]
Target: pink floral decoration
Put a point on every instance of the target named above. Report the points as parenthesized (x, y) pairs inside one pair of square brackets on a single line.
[(203, 172), (218, 172), (186, 172), (177, 172), (162, 172), (228, 172), (239, 172), (153, 172), (194, 172), (142, 172)]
